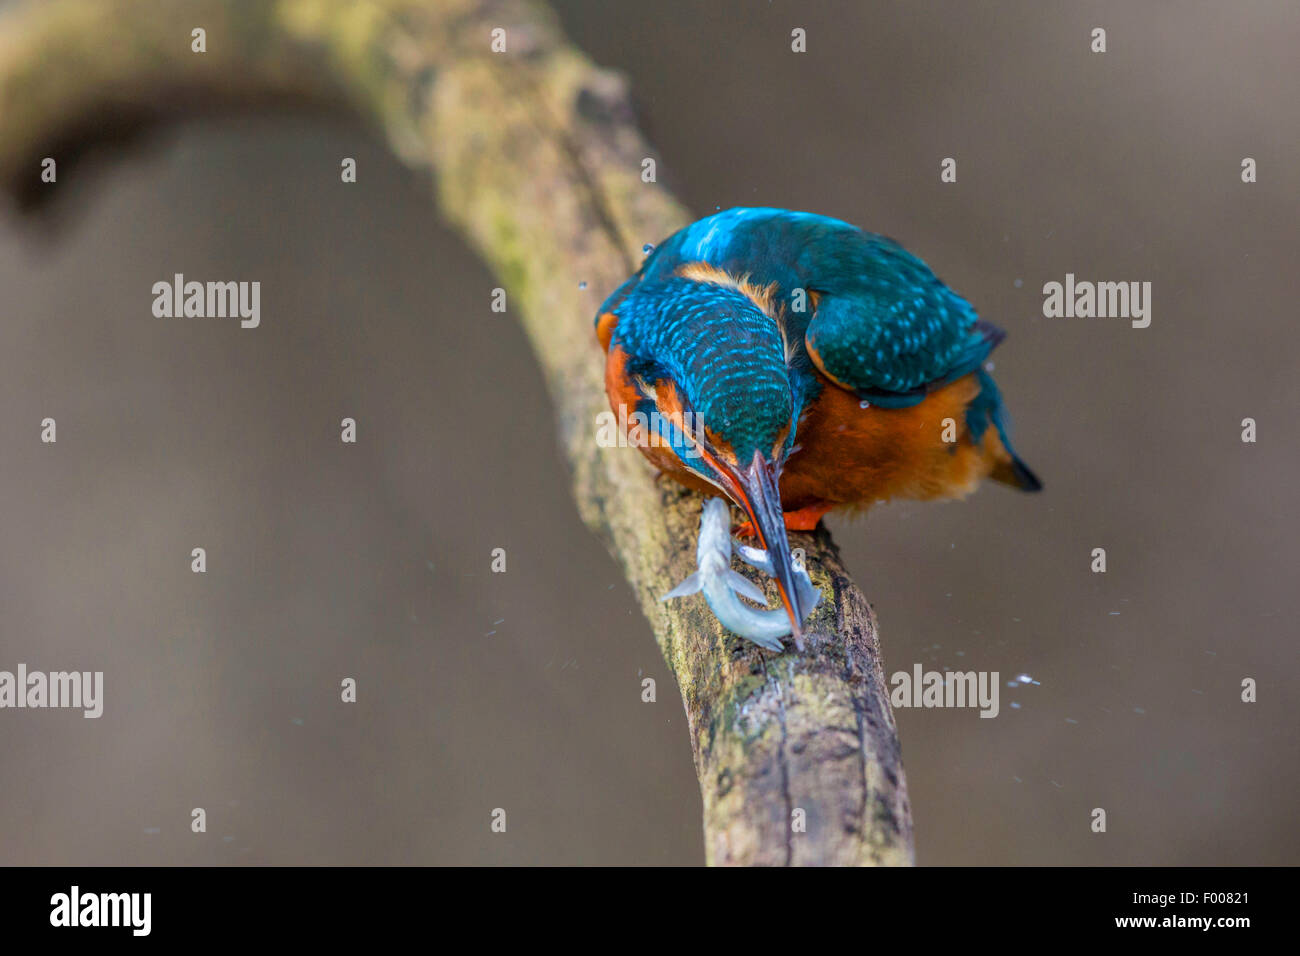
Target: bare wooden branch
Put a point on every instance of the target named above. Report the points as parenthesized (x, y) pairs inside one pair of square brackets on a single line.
[(538, 162)]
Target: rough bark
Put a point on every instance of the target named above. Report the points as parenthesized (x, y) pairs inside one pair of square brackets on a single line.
[(537, 161)]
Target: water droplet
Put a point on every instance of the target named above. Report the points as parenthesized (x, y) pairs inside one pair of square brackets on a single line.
[(864, 404), (1018, 283), (582, 285), (648, 248)]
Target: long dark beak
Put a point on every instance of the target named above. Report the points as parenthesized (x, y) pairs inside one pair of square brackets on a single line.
[(762, 503)]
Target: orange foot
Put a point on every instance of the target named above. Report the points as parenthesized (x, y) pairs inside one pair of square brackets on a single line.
[(805, 519)]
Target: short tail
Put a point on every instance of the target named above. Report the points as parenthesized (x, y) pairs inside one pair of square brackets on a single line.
[(1016, 474), (987, 409)]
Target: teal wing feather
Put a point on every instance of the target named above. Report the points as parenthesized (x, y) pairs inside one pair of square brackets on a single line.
[(885, 326)]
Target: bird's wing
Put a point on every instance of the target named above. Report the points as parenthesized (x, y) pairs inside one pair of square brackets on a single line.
[(895, 345), (884, 326)]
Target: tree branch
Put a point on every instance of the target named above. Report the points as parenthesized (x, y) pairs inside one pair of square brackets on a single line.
[(537, 162)]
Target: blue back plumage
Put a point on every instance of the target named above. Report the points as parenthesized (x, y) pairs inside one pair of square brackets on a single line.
[(875, 317)]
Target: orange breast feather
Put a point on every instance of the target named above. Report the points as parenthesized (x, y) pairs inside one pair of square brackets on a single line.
[(851, 455)]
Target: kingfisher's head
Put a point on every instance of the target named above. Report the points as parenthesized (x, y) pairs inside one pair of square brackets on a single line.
[(704, 359)]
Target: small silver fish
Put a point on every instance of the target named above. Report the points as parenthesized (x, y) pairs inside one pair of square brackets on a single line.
[(721, 584)]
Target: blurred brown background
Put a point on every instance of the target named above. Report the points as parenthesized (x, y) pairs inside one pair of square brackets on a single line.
[(522, 690)]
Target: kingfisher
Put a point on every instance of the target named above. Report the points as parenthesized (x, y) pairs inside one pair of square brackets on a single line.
[(796, 364)]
